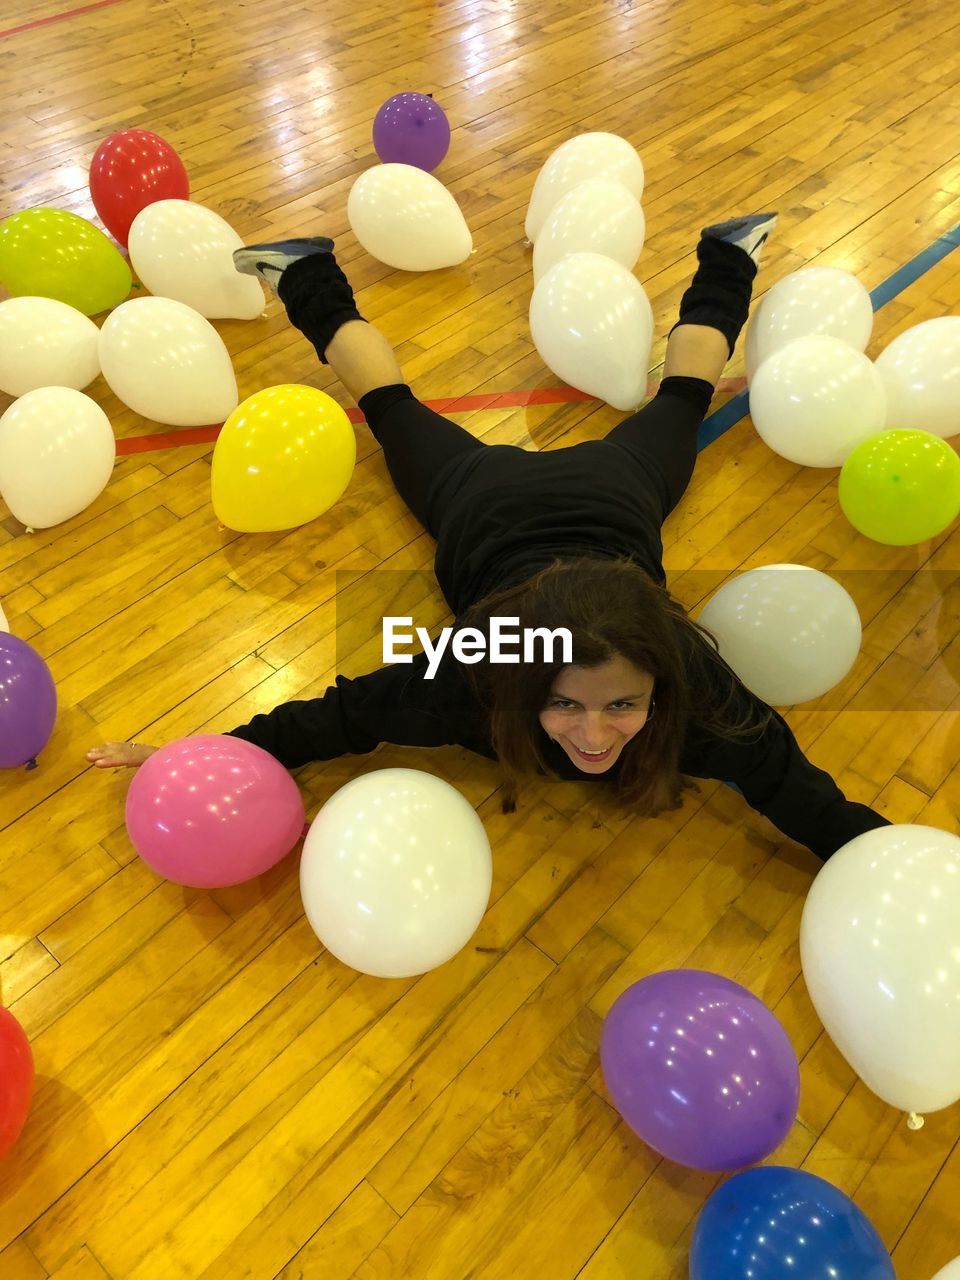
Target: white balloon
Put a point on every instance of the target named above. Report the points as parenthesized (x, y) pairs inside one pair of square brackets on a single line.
[(921, 373), (168, 363), (4, 624), (184, 251), (880, 950), (396, 873), (589, 155), (57, 452), (592, 324), (824, 300), (815, 400), (789, 632), (45, 343), (406, 218), (950, 1272), (598, 216)]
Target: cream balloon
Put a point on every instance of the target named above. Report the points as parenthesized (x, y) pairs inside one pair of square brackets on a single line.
[(789, 632), (408, 219), (4, 624), (168, 363), (56, 455), (950, 1272), (184, 251), (45, 343), (921, 373), (880, 950), (396, 873), (598, 216), (815, 400), (589, 155), (814, 300), (592, 324)]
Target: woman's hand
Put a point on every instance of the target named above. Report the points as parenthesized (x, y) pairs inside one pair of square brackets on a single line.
[(120, 755)]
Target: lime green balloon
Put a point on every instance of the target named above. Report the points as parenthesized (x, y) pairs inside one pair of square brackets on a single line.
[(901, 487), (48, 253)]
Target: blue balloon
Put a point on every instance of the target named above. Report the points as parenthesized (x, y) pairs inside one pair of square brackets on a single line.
[(773, 1223)]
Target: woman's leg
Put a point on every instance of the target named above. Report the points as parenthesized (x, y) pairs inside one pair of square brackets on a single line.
[(713, 310), (418, 444), (696, 351), (362, 359)]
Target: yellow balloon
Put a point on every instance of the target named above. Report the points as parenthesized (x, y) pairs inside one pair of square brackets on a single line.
[(48, 253), (284, 456)]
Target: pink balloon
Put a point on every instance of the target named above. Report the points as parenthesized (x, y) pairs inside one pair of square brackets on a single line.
[(212, 811)]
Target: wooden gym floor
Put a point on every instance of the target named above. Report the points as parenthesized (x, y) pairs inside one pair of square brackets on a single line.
[(216, 1096)]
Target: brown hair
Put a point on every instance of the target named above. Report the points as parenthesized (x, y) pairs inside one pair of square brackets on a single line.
[(610, 607)]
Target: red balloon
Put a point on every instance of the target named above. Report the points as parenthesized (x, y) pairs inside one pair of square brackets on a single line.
[(130, 170), (16, 1079)]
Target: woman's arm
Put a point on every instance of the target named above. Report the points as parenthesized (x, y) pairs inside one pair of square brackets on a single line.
[(393, 704), (778, 780)]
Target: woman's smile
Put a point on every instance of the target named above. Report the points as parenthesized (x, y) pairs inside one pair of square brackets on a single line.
[(593, 756)]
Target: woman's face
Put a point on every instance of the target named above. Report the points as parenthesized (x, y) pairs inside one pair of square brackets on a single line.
[(593, 712)]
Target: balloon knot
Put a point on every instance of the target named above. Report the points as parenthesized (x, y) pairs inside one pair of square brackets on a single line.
[(914, 1121), (31, 764)]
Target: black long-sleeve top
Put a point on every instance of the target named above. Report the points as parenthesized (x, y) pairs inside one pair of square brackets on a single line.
[(506, 514), (396, 704)]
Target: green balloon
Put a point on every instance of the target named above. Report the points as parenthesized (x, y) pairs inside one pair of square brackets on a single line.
[(901, 487), (48, 253)]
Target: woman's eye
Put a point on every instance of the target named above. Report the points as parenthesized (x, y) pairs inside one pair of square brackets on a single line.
[(561, 704), (622, 706)]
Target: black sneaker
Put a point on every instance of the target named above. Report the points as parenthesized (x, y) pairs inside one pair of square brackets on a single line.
[(269, 261), (748, 234)]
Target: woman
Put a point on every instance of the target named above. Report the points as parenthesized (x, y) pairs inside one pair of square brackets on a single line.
[(568, 538)]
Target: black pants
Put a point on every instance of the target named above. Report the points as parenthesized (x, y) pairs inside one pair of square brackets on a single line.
[(423, 449)]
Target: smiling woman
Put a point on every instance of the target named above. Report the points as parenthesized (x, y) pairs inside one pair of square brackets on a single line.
[(565, 539), (629, 639)]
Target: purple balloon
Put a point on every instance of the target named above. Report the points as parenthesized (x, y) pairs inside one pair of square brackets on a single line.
[(411, 129), (28, 702), (700, 1069)]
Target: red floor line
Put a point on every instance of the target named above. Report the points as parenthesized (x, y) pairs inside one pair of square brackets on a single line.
[(57, 17), (449, 404)]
